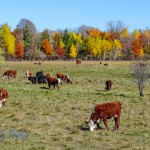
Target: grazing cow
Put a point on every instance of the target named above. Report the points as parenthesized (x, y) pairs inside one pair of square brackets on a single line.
[(28, 73), (78, 61), (39, 63), (103, 112), (105, 64), (108, 84), (39, 80), (53, 81), (32, 79), (3, 96), (9, 73), (64, 77)]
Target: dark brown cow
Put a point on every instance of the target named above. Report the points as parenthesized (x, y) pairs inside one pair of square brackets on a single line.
[(64, 77), (103, 112), (9, 74), (53, 81), (108, 84), (105, 64), (28, 73), (3, 96), (78, 61)]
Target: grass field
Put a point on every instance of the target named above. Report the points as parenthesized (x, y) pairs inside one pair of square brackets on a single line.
[(55, 119)]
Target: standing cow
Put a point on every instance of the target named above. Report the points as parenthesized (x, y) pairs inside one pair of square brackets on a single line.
[(64, 77), (78, 61), (53, 81), (108, 84), (103, 112)]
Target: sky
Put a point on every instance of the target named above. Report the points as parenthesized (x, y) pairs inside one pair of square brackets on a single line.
[(62, 14)]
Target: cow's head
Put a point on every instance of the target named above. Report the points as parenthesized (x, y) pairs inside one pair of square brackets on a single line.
[(94, 120)]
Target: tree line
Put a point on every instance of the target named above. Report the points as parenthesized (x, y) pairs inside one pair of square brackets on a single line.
[(117, 43)]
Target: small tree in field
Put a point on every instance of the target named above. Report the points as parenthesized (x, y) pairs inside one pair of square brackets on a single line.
[(141, 72)]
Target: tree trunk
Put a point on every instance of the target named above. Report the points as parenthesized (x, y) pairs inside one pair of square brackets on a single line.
[(104, 56)]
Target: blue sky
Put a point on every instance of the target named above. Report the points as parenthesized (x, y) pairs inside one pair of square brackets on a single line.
[(61, 14)]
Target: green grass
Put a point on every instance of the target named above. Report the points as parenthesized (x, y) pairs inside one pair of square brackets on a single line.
[(55, 119)]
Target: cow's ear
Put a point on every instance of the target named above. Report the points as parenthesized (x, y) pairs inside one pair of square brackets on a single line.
[(1, 94), (86, 122)]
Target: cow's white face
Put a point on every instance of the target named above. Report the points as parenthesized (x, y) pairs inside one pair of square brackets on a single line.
[(4, 77), (1, 103), (91, 125), (68, 77)]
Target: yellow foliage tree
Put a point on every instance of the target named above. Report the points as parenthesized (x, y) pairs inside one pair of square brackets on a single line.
[(117, 47), (124, 33), (8, 40), (73, 51), (136, 33)]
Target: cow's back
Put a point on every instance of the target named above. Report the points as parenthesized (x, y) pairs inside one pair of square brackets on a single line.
[(109, 109)]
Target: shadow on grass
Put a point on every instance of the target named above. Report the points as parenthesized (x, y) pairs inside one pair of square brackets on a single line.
[(28, 83), (83, 128), (45, 88)]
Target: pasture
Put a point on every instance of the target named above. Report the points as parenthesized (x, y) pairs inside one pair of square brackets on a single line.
[(55, 119)]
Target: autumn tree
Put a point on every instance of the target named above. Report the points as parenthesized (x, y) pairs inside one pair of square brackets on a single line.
[(73, 51), (19, 47), (29, 36), (8, 40), (47, 48), (116, 48), (93, 42), (137, 48)]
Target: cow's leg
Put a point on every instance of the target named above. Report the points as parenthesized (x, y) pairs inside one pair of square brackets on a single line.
[(117, 121), (49, 86), (105, 123), (115, 128)]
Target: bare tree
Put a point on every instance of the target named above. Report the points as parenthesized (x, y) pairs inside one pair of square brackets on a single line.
[(141, 71)]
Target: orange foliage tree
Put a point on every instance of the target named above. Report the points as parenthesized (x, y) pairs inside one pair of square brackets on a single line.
[(47, 48), (19, 49), (137, 48)]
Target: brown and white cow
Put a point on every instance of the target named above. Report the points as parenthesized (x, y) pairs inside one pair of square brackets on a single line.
[(103, 112), (10, 74), (64, 77), (78, 61), (109, 85), (53, 81), (3, 96), (28, 73)]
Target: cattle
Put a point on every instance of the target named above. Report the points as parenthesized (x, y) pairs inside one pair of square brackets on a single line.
[(105, 64), (78, 61), (10, 74), (108, 84), (64, 77), (28, 73), (53, 81), (3, 96), (39, 63), (32, 79), (39, 80), (103, 112), (42, 79)]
